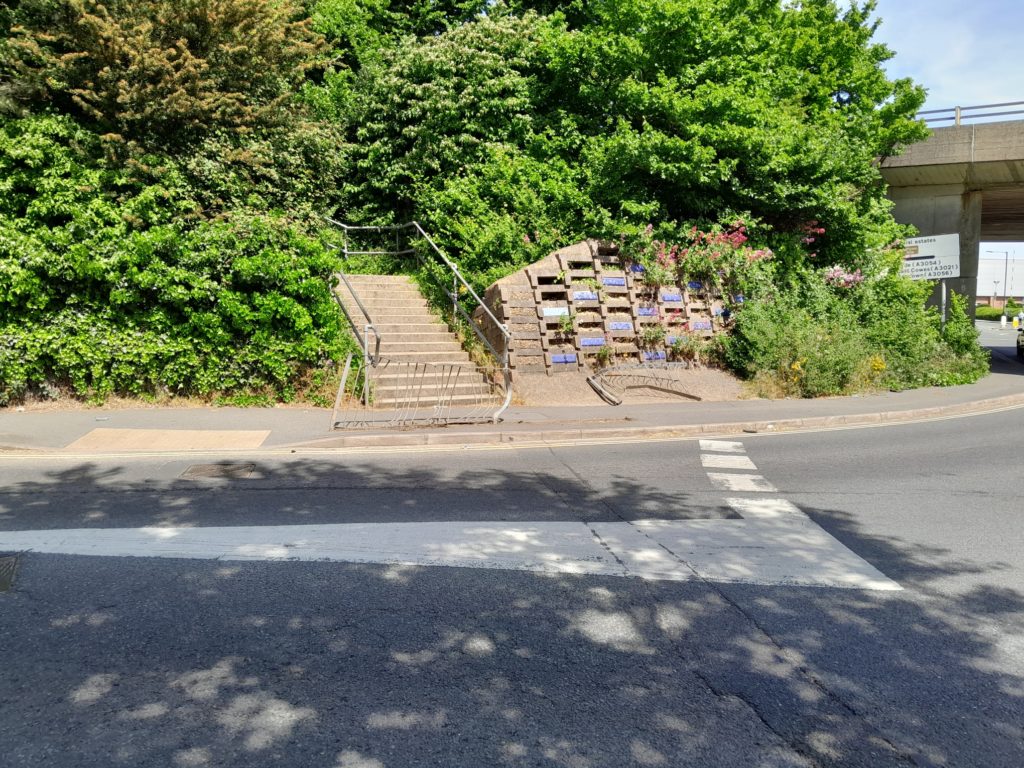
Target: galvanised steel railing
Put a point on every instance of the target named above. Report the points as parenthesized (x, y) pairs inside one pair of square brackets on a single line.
[(960, 114), (413, 230)]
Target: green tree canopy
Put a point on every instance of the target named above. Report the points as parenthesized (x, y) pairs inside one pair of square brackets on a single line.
[(158, 73), (657, 110)]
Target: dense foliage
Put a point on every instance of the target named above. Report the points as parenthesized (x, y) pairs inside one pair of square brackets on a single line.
[(107, 294), (162, 163)]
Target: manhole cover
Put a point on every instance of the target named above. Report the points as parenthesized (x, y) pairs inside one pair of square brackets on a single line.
[(8, 565), (230, 471)]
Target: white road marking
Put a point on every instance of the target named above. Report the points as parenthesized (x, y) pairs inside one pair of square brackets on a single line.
[(786, 551), (741, 483), (725, 461), (764, 508), (545, 547), (722, 446), (792, 551)]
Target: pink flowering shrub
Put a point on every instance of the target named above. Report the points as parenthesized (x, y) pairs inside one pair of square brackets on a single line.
[(721, 257), (838, 277)]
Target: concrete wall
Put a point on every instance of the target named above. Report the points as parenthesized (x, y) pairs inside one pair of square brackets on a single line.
[(963, 179), (946, 210)]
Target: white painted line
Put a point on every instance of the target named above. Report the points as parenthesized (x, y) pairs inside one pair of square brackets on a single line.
[(764, 508), (741, 483), (642, 556), (542, 547), (716, 461), (793, 552), (781, 551), (722, 446)]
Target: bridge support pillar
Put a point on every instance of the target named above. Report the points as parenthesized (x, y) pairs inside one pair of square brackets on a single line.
[(945, 210)]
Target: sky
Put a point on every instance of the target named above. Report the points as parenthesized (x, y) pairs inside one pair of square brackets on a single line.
[(966, 53)]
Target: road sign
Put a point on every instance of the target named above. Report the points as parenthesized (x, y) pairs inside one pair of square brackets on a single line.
[(932, 258)]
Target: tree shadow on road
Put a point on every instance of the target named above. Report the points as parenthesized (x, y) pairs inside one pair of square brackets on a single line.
[(148, 662)]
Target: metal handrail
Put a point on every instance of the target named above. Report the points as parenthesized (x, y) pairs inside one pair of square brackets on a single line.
[(368, 326), (956, 114), (501, 357), (454, 296)]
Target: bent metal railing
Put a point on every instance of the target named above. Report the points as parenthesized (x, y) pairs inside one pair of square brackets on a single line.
[(428, 393), (961, 114)]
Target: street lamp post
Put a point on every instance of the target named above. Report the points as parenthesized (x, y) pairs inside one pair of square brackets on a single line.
[(1006, 264)]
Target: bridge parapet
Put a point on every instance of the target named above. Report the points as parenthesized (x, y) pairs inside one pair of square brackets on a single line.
[(960, 114), (967, 179)]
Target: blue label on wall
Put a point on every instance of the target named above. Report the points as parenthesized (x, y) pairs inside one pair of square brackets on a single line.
[(636, 267), (701, 325), (584, 295), (563, 358), (591, 342), (619, 326), (738, 298), (695, 286), (613, 280), (654, 355), (647, 311), (670, 340), (671, 297)]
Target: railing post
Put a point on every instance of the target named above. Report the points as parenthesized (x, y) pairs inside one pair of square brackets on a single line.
[(366, 365), (455, 297), (956, 114)]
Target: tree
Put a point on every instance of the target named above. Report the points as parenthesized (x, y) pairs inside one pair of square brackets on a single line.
[(159, 74), (661, 110)]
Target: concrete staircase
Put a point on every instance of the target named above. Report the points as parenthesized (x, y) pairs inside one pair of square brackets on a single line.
[(421, 360)]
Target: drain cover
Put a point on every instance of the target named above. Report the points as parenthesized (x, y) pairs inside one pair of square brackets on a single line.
[(229, 471), (8, 565)]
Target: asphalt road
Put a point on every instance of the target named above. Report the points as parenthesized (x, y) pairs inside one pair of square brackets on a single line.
[(163, 662)]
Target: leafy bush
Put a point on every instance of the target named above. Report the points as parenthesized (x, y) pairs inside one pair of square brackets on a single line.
[(988, 313), (104, 294), (814, 338)]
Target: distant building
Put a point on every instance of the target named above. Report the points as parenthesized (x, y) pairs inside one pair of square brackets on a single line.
[(991, 288)]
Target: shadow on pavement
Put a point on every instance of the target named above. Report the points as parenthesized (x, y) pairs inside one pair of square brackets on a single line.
[(183, 663)]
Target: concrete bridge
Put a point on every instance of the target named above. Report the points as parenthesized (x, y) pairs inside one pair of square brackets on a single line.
[(967, 179)]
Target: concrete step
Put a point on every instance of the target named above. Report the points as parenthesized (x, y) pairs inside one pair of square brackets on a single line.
[(429, 357), (412, 327), (380, 294), (361, 278), (367, 287), (383, 401), (393, 383), (388, 303), (401, 315), (390, 346), (428, 334)]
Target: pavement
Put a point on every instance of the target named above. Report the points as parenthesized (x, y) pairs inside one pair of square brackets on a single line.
[(291, 429)]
